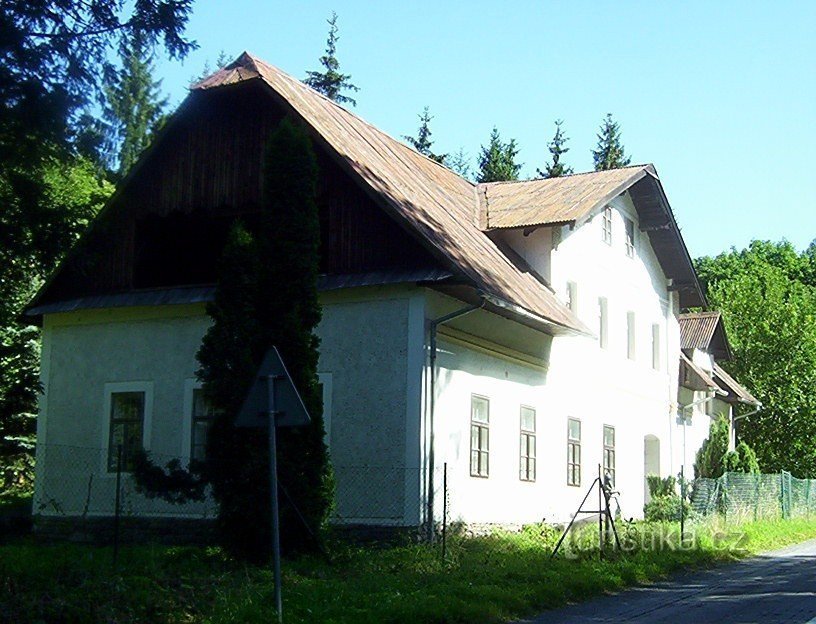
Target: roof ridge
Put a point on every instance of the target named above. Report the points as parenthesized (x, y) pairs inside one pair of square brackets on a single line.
[(568, 175)]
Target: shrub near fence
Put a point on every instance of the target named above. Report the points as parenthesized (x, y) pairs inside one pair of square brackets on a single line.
[(744, 496)]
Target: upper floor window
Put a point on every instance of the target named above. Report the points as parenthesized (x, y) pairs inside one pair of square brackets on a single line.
[(630, 237), (656, 346), (603, 322), (479, 436), (527, 453), (607, 225), (572, 296), (630, 335)]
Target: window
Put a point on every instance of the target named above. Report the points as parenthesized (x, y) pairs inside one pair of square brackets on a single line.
[(527, 461), (609, 453), (203, 415), (479, 436), (630, 335), (607, 225), (630, 237), (572, 296), (127, 415), (656, 346), (603, 323), (574, 452)]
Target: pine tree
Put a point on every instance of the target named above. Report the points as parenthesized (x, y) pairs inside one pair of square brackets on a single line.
[(610, 154), (556, 168), (459, 162), (133, 104), (497, 162), (422, 143), (331, 82)]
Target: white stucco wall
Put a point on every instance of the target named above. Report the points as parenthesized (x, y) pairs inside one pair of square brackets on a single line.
[(370, 364)]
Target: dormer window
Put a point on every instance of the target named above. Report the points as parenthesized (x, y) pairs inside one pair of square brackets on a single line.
[(607, 225), (630, 237)]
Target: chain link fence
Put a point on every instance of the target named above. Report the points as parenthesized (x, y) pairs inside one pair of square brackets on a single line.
[(744, 496)]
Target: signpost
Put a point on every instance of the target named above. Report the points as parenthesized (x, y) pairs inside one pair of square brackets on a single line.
[(273, 401)]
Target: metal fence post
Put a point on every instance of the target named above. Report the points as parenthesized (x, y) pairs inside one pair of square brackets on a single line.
[(444, 510), (117, 505)]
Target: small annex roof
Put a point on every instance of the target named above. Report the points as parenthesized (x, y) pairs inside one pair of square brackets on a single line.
[(574, 199), (704, 331), (694, 377), (736, 392), (428, 198)]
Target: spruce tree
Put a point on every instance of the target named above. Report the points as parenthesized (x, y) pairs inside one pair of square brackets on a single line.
[(459, 162), (134, 107), (422, 142), (330, 82), (610, 153), (556, 168), (497, 162)]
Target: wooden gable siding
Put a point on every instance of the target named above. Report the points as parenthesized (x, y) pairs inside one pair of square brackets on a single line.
[(169, 223)]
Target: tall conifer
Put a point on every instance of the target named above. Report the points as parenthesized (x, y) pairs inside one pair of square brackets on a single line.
[(556, 168), (610, 154), (497, 161), (330, 82), (422, 142)]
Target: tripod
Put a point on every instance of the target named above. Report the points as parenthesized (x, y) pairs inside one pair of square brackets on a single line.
[(605, 519)]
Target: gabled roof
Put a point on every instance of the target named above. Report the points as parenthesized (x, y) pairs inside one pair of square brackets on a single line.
[(549, 201), (736, 392), (704, 331), (575, 199), (428, 198)]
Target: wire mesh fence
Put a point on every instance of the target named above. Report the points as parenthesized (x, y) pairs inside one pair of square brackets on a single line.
[(746, 496)]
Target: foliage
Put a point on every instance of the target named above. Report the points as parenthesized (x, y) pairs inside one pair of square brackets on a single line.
[(497, 161), (422, 142), (709, 461), (33, 238), (491, 579), (767, 295), (609, 153), (741, 459), (134, 108), (330, 82), (666, 508), (221, 61), (659, 486), (556, 168), (459, 162), (266, 296)]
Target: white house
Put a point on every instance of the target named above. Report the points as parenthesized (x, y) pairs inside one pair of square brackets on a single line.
[(517, 334)]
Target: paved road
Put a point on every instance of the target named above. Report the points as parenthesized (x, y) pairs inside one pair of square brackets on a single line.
[(775, 588)]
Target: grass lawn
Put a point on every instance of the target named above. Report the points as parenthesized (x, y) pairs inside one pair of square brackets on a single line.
[(484, 580)]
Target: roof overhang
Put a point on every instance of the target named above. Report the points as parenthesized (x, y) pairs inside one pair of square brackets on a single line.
[(736, 393), (694, 377)]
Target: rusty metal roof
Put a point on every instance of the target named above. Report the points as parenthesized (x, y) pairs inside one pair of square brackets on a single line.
[(427, 197), (732, 387), (704, 331), (549, 201)]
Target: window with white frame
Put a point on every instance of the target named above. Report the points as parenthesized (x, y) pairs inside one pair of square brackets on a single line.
[(630, 335), (630, 237), (527, 445), (203, 415), (606, 224), (609, 453), (573, 451), (479, 436), (603, 322), (572, 297), (656, 346), (126, 431)]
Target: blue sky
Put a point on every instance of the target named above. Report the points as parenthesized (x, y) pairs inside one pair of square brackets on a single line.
[(720, 96)]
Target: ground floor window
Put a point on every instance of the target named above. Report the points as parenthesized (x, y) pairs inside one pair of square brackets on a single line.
[(527, 460), (204, 414), (479, 436), (574, 452), (609, 453), (126, 433)]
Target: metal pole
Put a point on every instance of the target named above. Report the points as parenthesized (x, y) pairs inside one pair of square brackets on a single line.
[(117, 505), (600, 514), (273, 490), (444, 509), (682, 498)]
